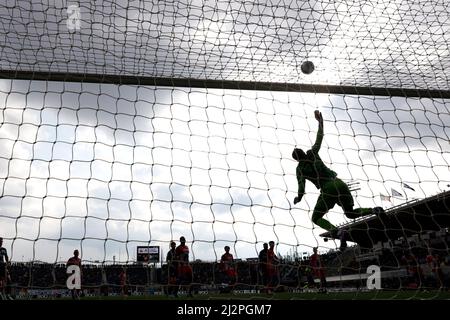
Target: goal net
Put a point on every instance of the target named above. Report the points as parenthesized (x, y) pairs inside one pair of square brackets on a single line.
[(131, 123)]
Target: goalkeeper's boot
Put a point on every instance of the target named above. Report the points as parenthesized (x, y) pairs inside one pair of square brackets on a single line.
[(380, 213)]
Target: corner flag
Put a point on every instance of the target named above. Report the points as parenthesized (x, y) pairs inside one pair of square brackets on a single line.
[(408, 187), (395, 193)]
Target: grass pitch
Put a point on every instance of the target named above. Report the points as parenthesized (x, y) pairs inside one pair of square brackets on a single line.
[(330, 295)]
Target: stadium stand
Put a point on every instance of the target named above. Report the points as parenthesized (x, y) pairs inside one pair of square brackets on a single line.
[(413, 253)]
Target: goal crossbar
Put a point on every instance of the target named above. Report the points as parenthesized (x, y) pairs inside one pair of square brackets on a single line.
[(222, 84)]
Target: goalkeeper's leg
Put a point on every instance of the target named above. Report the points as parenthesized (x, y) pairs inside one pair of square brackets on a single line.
[(345, 201), (324, 203), (327, 199)]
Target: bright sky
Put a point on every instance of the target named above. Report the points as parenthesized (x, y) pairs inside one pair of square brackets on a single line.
[(104, 168)]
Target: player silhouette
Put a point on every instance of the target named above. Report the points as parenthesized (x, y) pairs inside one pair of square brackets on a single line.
[(332, 189)]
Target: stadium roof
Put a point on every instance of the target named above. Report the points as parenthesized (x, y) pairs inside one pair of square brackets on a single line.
[(418, 216)]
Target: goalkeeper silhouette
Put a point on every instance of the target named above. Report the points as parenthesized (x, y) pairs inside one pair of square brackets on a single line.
[(332, 189)]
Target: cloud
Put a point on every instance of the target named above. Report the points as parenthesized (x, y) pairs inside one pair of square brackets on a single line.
[(383, 44), (213, 165)]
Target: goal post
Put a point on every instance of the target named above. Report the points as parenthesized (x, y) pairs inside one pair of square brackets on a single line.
[(224, 84)]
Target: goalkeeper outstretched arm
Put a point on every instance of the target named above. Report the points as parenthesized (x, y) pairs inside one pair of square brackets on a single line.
[(301, 187), (299, 154), (316, 147)]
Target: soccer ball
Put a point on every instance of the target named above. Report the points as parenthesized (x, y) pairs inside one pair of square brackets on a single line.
[(307, 67)]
